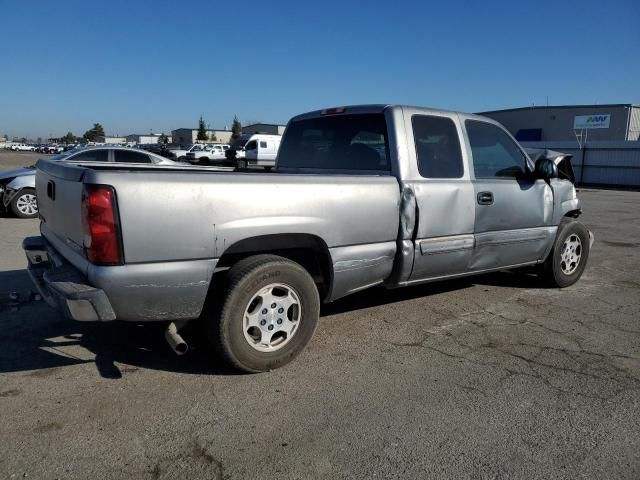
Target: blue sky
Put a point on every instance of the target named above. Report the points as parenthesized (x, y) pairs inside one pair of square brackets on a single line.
[(139, 65)]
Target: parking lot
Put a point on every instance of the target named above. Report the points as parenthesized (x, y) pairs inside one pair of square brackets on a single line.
[(488, 377)]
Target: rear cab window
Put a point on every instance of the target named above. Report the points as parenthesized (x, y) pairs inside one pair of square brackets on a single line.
[(91, 156), (356, 142), (127, 156)]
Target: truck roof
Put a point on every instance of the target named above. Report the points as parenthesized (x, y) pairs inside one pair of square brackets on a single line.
[(379, 108)]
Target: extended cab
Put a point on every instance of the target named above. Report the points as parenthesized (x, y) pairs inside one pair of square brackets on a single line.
[(361, 196)]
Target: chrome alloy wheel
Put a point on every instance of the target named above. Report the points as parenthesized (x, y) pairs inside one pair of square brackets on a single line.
[(272, 317), (571, 254), (27, 204)]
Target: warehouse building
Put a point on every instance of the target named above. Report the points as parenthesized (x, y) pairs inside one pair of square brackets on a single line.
[(188, 136), (268, 128), (146, 139), (603, 139), (613, 122), (111, 140)]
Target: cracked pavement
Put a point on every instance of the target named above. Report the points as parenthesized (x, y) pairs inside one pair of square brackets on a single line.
[(488, 377)]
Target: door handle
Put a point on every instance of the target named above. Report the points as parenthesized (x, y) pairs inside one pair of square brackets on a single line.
[(51, 190), (485, 198)]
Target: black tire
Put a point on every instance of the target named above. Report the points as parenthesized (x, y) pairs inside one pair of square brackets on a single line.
[(553, 270), (225, 320), (18, 204)]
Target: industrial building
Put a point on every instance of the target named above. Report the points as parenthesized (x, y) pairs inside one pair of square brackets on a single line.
[(187, 136), (603, 139), (613, 122), (268, 128), (146, 139), (111, 140)]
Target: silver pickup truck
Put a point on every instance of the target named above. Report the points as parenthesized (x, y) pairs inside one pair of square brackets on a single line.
[(361, 196)]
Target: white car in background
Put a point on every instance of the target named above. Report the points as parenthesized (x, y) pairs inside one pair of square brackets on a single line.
[(22, 147), (258, 149), (262, 150), (207, 154), (181, 154)]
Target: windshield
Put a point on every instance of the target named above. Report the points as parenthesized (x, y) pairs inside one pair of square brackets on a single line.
[(345, 142), (196, 148)]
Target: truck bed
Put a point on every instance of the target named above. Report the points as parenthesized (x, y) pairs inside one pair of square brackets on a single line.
[(176, 223)]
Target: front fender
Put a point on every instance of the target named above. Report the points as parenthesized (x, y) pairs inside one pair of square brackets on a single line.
[(565, 200), (15, 186), (24, 181)]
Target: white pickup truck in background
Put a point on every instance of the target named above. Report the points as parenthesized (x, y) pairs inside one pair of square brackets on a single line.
[(181, 154), (207, 154)]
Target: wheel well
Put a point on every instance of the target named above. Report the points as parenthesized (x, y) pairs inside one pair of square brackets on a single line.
[(573, 213), (308, 250)]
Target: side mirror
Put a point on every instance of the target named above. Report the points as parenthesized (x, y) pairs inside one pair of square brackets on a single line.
[(546, 169)]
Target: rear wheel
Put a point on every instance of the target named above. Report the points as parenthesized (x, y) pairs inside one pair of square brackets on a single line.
[(25, 204), (568, 258), (267, 316)]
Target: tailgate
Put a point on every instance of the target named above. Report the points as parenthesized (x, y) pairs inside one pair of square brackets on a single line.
[(59, 192)]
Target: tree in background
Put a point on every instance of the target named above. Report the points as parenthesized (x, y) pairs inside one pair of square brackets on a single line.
[(95, 132), (202, 130), (236, 128), (213, 137), (68, 138), (163, 138)]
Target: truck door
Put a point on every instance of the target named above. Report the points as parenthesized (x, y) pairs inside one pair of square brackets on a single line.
[(439, 178), (512, 210)]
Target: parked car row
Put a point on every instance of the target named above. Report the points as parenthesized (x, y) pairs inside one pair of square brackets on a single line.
[(255, 149), (17, 187), (51, 148), (21, 147)]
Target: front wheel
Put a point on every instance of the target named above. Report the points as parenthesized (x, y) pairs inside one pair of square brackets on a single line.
[(25, 204), (267, 316), (568, 258)]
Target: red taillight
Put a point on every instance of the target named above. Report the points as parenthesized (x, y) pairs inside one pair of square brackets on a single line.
[(100, 225)]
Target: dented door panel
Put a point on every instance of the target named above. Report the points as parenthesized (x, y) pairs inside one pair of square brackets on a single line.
[(512, 230), (357, 267)]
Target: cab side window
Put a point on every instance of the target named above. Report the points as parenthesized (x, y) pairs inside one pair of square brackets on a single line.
[(494, 153), (252, 145), (437, 147)]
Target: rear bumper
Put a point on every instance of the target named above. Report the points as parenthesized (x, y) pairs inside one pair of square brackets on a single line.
[(62, 286), (145, 292)]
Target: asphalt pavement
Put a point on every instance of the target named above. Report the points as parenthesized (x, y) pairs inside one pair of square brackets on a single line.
[(495, 376)]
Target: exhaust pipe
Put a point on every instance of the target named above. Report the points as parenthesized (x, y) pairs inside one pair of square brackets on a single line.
[(174, 339)]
